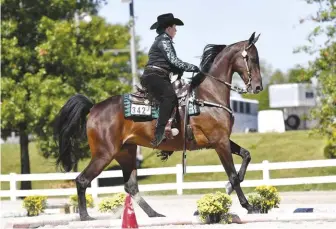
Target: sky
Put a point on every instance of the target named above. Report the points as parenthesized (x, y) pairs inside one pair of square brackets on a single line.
[(224, 22)]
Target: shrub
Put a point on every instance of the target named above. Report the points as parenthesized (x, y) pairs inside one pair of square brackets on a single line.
[(330, 150), (34, 204), (88, 197), (266, 198), (111, 204), (214, 208)]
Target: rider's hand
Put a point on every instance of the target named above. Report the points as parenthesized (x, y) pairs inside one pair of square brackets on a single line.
[(180, 73), (195, 69)]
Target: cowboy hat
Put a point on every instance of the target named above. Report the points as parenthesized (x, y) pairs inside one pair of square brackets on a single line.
[(165, 20)]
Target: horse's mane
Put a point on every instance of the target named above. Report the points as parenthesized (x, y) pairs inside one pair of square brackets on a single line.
[(209, 53)]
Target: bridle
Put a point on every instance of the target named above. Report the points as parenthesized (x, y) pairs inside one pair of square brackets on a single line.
[(235, 88), (248, 84)]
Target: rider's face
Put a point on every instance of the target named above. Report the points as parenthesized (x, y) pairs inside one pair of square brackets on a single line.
[(171, 31)]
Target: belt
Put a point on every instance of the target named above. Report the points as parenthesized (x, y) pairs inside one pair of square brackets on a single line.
[(156, 67)]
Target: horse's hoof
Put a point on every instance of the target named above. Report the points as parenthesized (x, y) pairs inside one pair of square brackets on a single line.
[(160, 215), (228, 188), (87, 218), (254, 210), (157, 215)]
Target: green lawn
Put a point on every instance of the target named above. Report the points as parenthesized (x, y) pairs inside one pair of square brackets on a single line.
[(289, 146)]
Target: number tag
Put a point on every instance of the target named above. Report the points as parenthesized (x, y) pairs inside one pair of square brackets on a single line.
[(137, 109)]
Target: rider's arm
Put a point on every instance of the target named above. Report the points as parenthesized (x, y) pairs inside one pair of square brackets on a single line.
[(166, 47)]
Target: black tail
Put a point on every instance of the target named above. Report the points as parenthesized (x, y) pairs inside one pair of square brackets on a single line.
[(69, 128)]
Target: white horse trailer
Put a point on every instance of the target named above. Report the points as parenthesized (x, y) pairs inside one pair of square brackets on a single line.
[(246, 114), (296, 100)]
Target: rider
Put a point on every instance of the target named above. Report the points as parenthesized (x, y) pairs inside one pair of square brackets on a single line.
[(156, 77)]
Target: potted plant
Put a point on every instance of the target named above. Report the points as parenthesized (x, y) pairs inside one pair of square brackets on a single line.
[(113, 204), (265, 198), (214, 208), (34, 205)]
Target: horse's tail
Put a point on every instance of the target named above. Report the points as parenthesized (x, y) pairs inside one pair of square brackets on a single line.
[(69, 128)]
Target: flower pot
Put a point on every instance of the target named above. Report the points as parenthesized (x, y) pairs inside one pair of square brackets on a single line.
[(213, 218), (66, 209), (264, 211), (117, 212), (74, 209)]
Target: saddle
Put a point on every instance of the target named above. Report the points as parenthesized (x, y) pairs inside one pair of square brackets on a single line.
[(141, 106)]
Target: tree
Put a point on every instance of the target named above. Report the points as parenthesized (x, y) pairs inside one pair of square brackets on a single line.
[(324, 69), (325, 30), (298, 74), (266, 71), (278, 77), (47, 57), (262, 97)]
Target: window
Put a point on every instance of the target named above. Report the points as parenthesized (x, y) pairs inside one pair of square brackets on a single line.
[(235, 107), (309, 94), (241, 107), (247, 108)]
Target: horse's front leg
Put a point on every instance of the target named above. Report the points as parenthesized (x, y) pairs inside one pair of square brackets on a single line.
[(245, 155), (223, 149), (127, 161)]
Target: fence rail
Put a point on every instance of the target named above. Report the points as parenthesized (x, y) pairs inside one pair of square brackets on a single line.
[(179, 185)]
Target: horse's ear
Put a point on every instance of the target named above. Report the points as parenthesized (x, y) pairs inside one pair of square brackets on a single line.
[(251, 38), (256, 39)]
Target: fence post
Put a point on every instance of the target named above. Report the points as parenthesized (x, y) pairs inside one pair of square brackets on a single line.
[(12, 186), (179, 179), (266, 173), (94, 188)]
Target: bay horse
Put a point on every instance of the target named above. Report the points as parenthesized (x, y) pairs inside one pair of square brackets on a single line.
[(112, 135)]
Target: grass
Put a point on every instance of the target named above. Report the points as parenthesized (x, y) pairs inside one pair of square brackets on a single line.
[(289, 146)]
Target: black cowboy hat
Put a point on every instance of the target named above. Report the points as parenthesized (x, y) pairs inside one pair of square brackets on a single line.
[(165, 20)]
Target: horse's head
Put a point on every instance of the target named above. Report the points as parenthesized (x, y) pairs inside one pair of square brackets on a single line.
[(246, 63), (241, 57)]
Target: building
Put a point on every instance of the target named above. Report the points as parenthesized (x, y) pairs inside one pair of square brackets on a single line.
[(246, 114), (296, 100)]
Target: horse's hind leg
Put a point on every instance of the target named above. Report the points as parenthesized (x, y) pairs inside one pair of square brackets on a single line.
[(245, 155), (95, 167), (127, 160), (223, 150)]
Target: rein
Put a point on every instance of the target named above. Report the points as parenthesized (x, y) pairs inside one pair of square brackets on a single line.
[(232, 87)]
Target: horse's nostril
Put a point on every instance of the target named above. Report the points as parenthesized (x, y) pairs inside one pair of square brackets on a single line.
[(258, 88)]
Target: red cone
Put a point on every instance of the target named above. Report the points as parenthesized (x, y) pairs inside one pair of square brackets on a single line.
[(129, 219)]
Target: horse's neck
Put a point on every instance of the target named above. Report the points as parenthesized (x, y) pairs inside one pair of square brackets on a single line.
[(213, 90)]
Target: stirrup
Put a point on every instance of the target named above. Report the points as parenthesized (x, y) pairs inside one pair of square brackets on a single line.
[(169, 131), (155, 142)]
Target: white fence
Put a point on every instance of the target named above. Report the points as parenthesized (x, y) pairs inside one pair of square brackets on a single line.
[(179, 185)]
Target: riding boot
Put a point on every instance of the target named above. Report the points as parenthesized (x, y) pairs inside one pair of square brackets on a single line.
[(163, 126), (159, 136), (168, 128)]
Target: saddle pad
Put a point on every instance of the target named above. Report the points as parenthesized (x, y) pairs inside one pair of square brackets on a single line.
[(143, 108), (139, 108)]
